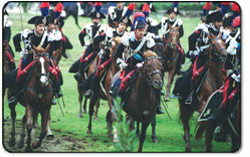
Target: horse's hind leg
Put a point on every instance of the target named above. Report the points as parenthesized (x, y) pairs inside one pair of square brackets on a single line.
[(137, 128), (80, 105), (21, 141), (45, 117), (153, 124), (91, 110), (109, 123), (12, 140), (143, 135), (28, 114), (185, 117), (97, 105)]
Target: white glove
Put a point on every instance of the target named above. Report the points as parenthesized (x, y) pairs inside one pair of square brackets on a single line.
[(23, 54), (139, 65), (51, 37), (194, 52), (231, 50), (121, 63)]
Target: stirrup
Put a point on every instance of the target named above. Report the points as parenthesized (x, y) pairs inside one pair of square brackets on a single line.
[(89, 93), (189, 100), (77, 76), (12, 100)]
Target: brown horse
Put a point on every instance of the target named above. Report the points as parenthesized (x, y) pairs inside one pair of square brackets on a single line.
[(214, 79), (5, 62), (102, 92), (37, 99), (141, 105), (171, 57)]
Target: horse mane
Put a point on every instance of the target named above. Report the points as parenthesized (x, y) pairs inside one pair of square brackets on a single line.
[(149, 53)]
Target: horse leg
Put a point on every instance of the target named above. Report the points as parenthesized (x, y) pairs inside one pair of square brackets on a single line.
[(93, 100), (85, 105), (12, 140), (153, 124), (28, 114), (80, 103), (34, 124), (170, 80), (49, 132), (185, 117), (109, 124), (45, 117), (21, 141), (143, 135), (97, 105), (209, 136), (137, 128)]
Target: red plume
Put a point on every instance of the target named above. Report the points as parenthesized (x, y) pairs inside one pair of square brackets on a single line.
[(145, 8), (44, 5), (131, 6), (59, 7), (98, 4)]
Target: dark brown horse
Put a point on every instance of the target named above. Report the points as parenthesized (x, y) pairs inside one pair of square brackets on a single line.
[(214, 79), (141, 105), (37, 99), (171, 57), (5, 62), (102, 91)]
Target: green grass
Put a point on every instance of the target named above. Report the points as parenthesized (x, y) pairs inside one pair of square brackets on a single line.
[(169, 132)]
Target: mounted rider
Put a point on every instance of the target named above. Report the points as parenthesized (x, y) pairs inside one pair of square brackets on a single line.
[(110, 38), (6, 38), (115, 13), (37, 37), (129, 54), (90, 30), (173, 22)]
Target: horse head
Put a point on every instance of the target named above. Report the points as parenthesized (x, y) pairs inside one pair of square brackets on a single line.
[(217, 51), (41, 65), (152, 70), (173, 37)]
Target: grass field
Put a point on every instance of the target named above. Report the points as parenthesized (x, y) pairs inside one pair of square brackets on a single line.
[(70, 131)]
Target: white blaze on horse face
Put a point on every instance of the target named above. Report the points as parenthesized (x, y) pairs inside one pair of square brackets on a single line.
[(43, 78)]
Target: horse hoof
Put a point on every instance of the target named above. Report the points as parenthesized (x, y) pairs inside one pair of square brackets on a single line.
[(50, 137), (155, 140), (89, 132), (80, 115), (28, 149), (20, 144), (166, 99), (12, 142), (36, 145)]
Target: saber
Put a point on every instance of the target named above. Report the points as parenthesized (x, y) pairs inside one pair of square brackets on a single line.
[(62, 98), (60, 107), (166, 109)]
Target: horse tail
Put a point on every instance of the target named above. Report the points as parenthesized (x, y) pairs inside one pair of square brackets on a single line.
[(201, 128)]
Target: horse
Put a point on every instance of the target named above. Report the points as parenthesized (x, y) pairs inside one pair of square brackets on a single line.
[(141, 106), (212, 80), (37, 99), (171, 57)]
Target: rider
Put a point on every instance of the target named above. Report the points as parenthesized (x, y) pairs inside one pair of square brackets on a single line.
[(198, 43), (115, 14), (107, 37), (91, 30), (174, 22), (7, 36), (130, 52)]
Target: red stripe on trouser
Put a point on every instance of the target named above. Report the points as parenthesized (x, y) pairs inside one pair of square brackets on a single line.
[(232, 94), (225, 93), (125, 79), (195, 71), (82, 56), (88, 57), (10, 57), (24, 71)]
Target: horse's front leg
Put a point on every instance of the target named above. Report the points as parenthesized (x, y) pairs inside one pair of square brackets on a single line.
[(153, 124), (143, 135), (49, 132), (45, 117), (80, 96), (12, 140), (93, 100), (97, 105), (171, 74), (29, 126), (21, 140)]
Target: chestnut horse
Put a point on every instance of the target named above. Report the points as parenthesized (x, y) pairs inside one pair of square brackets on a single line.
[(141, 105), (37, 99), (171, 57), (214, 79)]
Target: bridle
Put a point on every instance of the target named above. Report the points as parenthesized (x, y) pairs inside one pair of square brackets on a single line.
[(170, 42), (220, 55)]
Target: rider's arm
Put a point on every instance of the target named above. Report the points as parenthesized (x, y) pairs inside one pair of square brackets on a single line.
[(99, 39), (16, 41), (181, 31), (192, 39), (81, 36)]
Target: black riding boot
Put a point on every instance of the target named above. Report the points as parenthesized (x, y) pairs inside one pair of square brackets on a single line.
[(78, 75), (114, 91), (65, 55), (191, 91), (89, 93)]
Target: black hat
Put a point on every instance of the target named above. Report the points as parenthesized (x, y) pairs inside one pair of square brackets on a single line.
[(97, 15), (175, 10), (36, 20), (216, 16), (5, 12), (140, 24), (151, 7), (125, 20), (50, 19), (227, 22)]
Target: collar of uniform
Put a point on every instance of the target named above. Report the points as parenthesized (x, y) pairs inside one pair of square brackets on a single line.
[(172, 20), (37, 34), (213, 27), (119, 33), (119, 9)]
